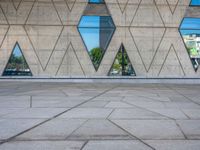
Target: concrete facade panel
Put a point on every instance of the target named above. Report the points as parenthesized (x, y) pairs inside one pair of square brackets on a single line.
[(47, 33)]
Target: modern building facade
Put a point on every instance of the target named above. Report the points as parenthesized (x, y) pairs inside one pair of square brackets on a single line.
[(100, 38)]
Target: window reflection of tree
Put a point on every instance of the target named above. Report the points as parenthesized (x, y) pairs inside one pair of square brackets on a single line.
[(122, 65), (17, 65), (96, 55)]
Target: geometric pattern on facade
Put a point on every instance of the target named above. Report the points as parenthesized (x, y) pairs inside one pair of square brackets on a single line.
[(61, 18), (172, 5)]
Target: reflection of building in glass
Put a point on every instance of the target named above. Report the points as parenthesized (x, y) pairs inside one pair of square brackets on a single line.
[(190, 31), (17, 65), (192, 42), (122, 65), (69, 38), (96, 31)]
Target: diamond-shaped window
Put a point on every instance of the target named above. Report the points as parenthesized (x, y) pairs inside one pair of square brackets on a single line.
[(17, 65), (122, 65), (190, 31), (96, 32)]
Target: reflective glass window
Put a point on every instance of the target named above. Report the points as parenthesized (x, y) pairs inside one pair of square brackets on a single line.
[(17, 65), (96, 1), (190, 31), (96, 32), (122, 65), (195, 3)]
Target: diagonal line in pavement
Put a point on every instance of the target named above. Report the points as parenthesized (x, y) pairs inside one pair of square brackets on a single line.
[(49, 119)]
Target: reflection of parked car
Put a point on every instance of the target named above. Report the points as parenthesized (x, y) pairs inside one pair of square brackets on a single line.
[(27, 70), (11, 69), (114, 72)]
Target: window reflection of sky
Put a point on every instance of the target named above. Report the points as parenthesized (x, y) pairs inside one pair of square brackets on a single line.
[(89, 28), (96, 22), (90, 37), (190, 23), (92, 28), (195, 2), (17, 51), (96, 1), (90, 21), (187, 32)]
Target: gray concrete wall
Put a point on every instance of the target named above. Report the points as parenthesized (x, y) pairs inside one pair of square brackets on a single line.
[(47, 34)]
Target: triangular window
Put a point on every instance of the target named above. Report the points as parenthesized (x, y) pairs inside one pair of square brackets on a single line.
[(122, 65), (17, 65)]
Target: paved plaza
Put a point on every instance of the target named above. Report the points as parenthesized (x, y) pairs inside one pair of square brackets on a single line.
[(94, 116)]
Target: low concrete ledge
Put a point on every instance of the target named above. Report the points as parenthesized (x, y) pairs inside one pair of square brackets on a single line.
[(126, 80)]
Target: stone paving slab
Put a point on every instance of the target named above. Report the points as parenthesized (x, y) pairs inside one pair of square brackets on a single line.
[(119, 105), (136, 113), (151, 129), (5, 111), (94, 104), (36, 113), (191, 128), (14, 101), (87, 113), (192, 113), (170, 113), (57, 129), (99, 116), (99, 129), (11, 127), (59, 103), (116, 145), (144, 98), (42, 145), (108, 98), (174, 144)]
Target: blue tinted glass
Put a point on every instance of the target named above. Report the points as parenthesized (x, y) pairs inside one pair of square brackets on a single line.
[(96, 21), (190, 23), (195, 2), (90, 21), (96, 1), (17, 51), (90, 37), (17, 65), (190, 32), (96, 37), (96, 32)]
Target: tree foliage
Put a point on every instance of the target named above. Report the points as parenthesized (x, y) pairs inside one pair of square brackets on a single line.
[(96, 55)]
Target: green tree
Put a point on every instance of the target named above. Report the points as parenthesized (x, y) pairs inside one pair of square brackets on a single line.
[(96, 55)]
